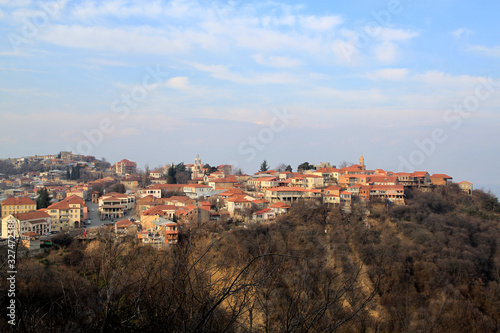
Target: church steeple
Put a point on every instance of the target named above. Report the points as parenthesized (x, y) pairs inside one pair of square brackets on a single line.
[(362, 161)]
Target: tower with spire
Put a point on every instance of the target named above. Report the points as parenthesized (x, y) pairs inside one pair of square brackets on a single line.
[(197, 167), (362, 162)]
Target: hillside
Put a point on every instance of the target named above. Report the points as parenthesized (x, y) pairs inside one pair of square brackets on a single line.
[(430, 266)]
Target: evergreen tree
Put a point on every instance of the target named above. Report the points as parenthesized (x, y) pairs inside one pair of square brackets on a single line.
[(264, 166), (43, 200), (171, 175), (305, 166), (288, 168), (121, 188), (77, 174)]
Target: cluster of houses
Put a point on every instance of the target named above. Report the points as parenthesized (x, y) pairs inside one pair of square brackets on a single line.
[(154, 213)]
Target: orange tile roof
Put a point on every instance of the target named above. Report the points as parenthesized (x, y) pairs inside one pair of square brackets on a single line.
[(127, 162), (265, 210), (332, 188), (279, 204), (59, 205), (230, 192), (38, 214), (230, 179), (382, 178), (159, 210), (287, 189), (18, 201), (441, 175), (124, 223), (74, 199), (237, 198), (327, 170), (387, 187)]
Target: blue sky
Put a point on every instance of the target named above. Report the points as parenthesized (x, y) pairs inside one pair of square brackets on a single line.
[(410, 85)]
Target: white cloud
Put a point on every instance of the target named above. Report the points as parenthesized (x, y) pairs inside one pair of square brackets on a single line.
[(323, 23), (388, 34), (106, 62), (16, 3), (180, 82), (28, 70), (276, 61), (91, 10), (224, 73), (447, 81), (128, 40), (485, 51), (382, 43), (386, 52), (462, 32), (391, 74), (345, 52), (277, 21)]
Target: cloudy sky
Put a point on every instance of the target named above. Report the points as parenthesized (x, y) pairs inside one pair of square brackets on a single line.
[(411, 85)]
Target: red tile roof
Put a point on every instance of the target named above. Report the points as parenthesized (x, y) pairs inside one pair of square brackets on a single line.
[(229, 179), (327, 170), (124, 223), (18, 201), (159, 210), (59, 205), (127, 162), (279, 205), (441, 175), (237, 198), (265, 210), (288, 189), (387, 187), (332, 188), (38, 214), (74, 199)]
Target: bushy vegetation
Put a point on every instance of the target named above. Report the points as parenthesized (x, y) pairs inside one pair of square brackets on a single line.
[(432, 265)]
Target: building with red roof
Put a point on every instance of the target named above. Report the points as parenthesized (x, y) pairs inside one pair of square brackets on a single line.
[(440, 179), (15, 205), (265, 214), (38, 222), (125, 167)]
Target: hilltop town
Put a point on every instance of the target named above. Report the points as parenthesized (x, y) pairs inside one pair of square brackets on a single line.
[(46, 195), (95, 246)]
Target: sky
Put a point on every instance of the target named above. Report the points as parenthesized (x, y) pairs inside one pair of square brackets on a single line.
[(410, 85)]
